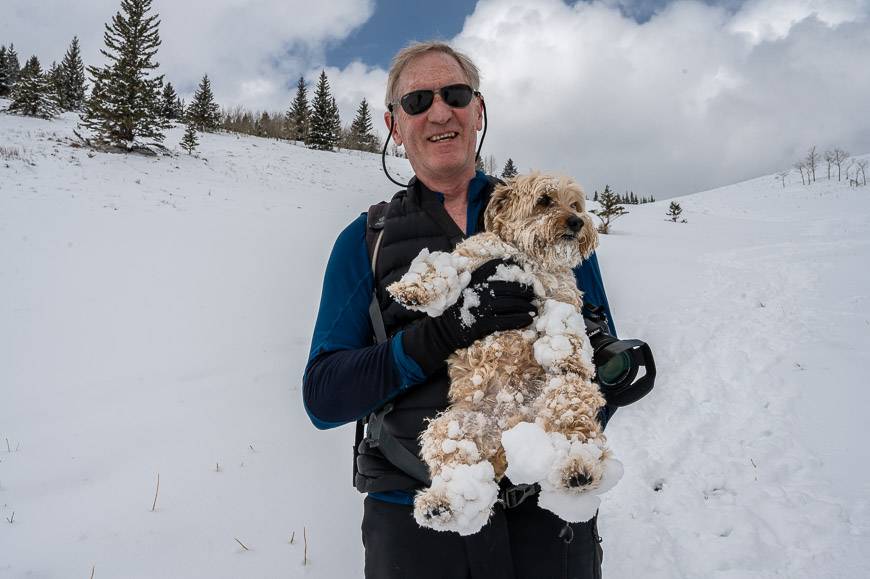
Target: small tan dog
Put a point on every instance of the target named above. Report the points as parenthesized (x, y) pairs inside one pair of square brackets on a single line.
[(523, 403)]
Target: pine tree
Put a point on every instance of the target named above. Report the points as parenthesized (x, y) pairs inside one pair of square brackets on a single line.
[(126, 108), (189, 142), (203, 112), (674, 212), (298, 115), (72, 93), (170, 103), (362, 134), (54, 76), (595, 198), (33, 94), (13, 68), (610, 210), (335, 125), (510, 170), (322, 134), (5, 87)]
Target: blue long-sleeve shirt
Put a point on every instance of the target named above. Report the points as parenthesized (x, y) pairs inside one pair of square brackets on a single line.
[(347, 375)]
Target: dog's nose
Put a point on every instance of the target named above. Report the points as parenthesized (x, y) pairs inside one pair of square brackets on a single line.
[(574, 223)]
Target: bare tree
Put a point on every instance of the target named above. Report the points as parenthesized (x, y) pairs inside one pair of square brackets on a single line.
[(840, 157), (829, 159), (489, 165), (781, 176), (860, 170), (800, 167), (811, 161)]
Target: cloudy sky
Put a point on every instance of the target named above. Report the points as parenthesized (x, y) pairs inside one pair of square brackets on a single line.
[(660, 97)]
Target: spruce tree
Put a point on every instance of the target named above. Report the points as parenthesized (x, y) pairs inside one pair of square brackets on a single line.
[(126, 108), (189, 142), (298, 115), (5, 87), (510, 170), (362, 133), (13, 67), (72, 95), (33, 94), (674, 212), (611, 209), (335, 126), (203, 112), (54, 76), (321, 132), (169, 103)]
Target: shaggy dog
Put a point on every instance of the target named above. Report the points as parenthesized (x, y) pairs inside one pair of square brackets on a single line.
[(523, 403)]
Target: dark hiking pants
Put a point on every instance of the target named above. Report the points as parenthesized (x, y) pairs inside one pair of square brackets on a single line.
[(525, 542)]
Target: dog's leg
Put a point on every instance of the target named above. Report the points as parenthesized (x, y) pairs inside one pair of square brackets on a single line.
[(463, 489), (433, 283)]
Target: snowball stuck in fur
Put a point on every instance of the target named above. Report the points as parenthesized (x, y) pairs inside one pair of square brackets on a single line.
[(467, 493), (530, 453), (443, 274)]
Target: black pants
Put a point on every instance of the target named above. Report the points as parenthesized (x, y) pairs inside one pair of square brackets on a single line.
[(525, 542)]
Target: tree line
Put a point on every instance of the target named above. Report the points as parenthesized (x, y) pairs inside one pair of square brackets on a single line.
[(834, 158), (129, 106)]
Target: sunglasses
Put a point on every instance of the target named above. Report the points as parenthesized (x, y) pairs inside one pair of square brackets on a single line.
[(456, 96)]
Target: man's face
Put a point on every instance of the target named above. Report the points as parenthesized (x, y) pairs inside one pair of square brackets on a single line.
[(440, 142)]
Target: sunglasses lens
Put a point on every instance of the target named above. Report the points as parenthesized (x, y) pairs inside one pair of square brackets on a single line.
[(457, 95), (418, 101)]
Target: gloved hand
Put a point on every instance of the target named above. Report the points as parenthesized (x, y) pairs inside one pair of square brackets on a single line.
[(504, 305)]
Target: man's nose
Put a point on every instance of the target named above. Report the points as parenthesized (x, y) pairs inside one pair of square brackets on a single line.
[(440, 111)]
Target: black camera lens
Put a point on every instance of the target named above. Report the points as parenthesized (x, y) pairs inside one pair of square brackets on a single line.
[(614, 370)]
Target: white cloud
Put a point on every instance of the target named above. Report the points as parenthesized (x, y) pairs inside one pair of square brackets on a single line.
[(253, 50), (674, 105), (350, 85)]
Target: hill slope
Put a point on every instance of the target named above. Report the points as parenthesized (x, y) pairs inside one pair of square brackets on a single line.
[(155, 317)]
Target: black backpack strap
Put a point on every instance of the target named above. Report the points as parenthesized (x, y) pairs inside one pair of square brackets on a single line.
[(392, 449), (374, 233)]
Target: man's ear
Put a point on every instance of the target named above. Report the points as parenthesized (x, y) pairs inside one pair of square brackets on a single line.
[(480, 106), (395, 125)]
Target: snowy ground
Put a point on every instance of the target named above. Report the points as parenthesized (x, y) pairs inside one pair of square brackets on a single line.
[(155, 317)]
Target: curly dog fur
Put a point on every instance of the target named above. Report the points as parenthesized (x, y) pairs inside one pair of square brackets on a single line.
[(539, 376)]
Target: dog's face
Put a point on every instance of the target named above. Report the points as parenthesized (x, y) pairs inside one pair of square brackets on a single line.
[(544, 217)]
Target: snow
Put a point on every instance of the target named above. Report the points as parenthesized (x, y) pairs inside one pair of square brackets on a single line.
[(155, 317)]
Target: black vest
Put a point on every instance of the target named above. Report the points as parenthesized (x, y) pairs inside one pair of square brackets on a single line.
[(413, 220)]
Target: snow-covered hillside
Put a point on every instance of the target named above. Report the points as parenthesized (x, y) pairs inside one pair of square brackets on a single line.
[(155, 316)]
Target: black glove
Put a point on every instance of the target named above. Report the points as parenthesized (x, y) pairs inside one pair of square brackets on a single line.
[(504, 305)]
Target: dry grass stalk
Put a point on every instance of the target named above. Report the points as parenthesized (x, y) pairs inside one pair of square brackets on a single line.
[(245, 547), (305, 555), (154, 504)]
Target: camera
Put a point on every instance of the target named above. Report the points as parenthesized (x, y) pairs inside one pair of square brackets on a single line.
[(618, 362)]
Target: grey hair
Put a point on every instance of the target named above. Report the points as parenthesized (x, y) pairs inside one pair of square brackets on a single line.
[(415, 49)]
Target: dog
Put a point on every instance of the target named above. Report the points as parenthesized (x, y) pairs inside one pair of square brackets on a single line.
[(523, 403)]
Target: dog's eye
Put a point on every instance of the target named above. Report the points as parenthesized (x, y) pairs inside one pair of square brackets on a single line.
[(575, 206), (544, 201)]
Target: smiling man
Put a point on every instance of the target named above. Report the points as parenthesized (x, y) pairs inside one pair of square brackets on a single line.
[(373, 360)]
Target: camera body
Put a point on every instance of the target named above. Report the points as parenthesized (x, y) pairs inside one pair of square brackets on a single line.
[(618, 362)]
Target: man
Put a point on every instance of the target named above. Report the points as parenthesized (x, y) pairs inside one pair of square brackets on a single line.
[(435, 112)]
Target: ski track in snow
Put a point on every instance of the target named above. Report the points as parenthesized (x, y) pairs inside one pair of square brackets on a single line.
[(155, 317)]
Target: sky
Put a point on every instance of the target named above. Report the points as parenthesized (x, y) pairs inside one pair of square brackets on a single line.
[(658, 97)]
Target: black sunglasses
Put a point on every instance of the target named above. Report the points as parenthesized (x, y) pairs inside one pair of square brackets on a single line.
[(456, 96)]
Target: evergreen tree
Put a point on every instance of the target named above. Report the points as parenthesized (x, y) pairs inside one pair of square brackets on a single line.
[(54, 76), (203, 112), (170, 104), (595, 197), (335, 126), (127, 105), (13, 68), (5, 87), (33, 94), (610, 210), (72, 93), (298, 116), (189, 142), (674, 212), (362, 134), (322, 132), (509, 170)]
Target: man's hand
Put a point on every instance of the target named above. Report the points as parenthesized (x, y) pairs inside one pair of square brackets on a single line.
[(485, 307)]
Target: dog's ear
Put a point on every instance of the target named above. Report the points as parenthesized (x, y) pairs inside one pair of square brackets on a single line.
[(491, 220)]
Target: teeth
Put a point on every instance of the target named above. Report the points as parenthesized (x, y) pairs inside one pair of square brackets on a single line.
[(437, 138)]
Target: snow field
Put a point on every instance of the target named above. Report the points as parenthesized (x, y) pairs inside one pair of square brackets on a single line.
[(155, 317)]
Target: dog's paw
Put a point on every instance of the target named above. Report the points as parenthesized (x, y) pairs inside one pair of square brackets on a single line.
[(433, 282), (460, 499)]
